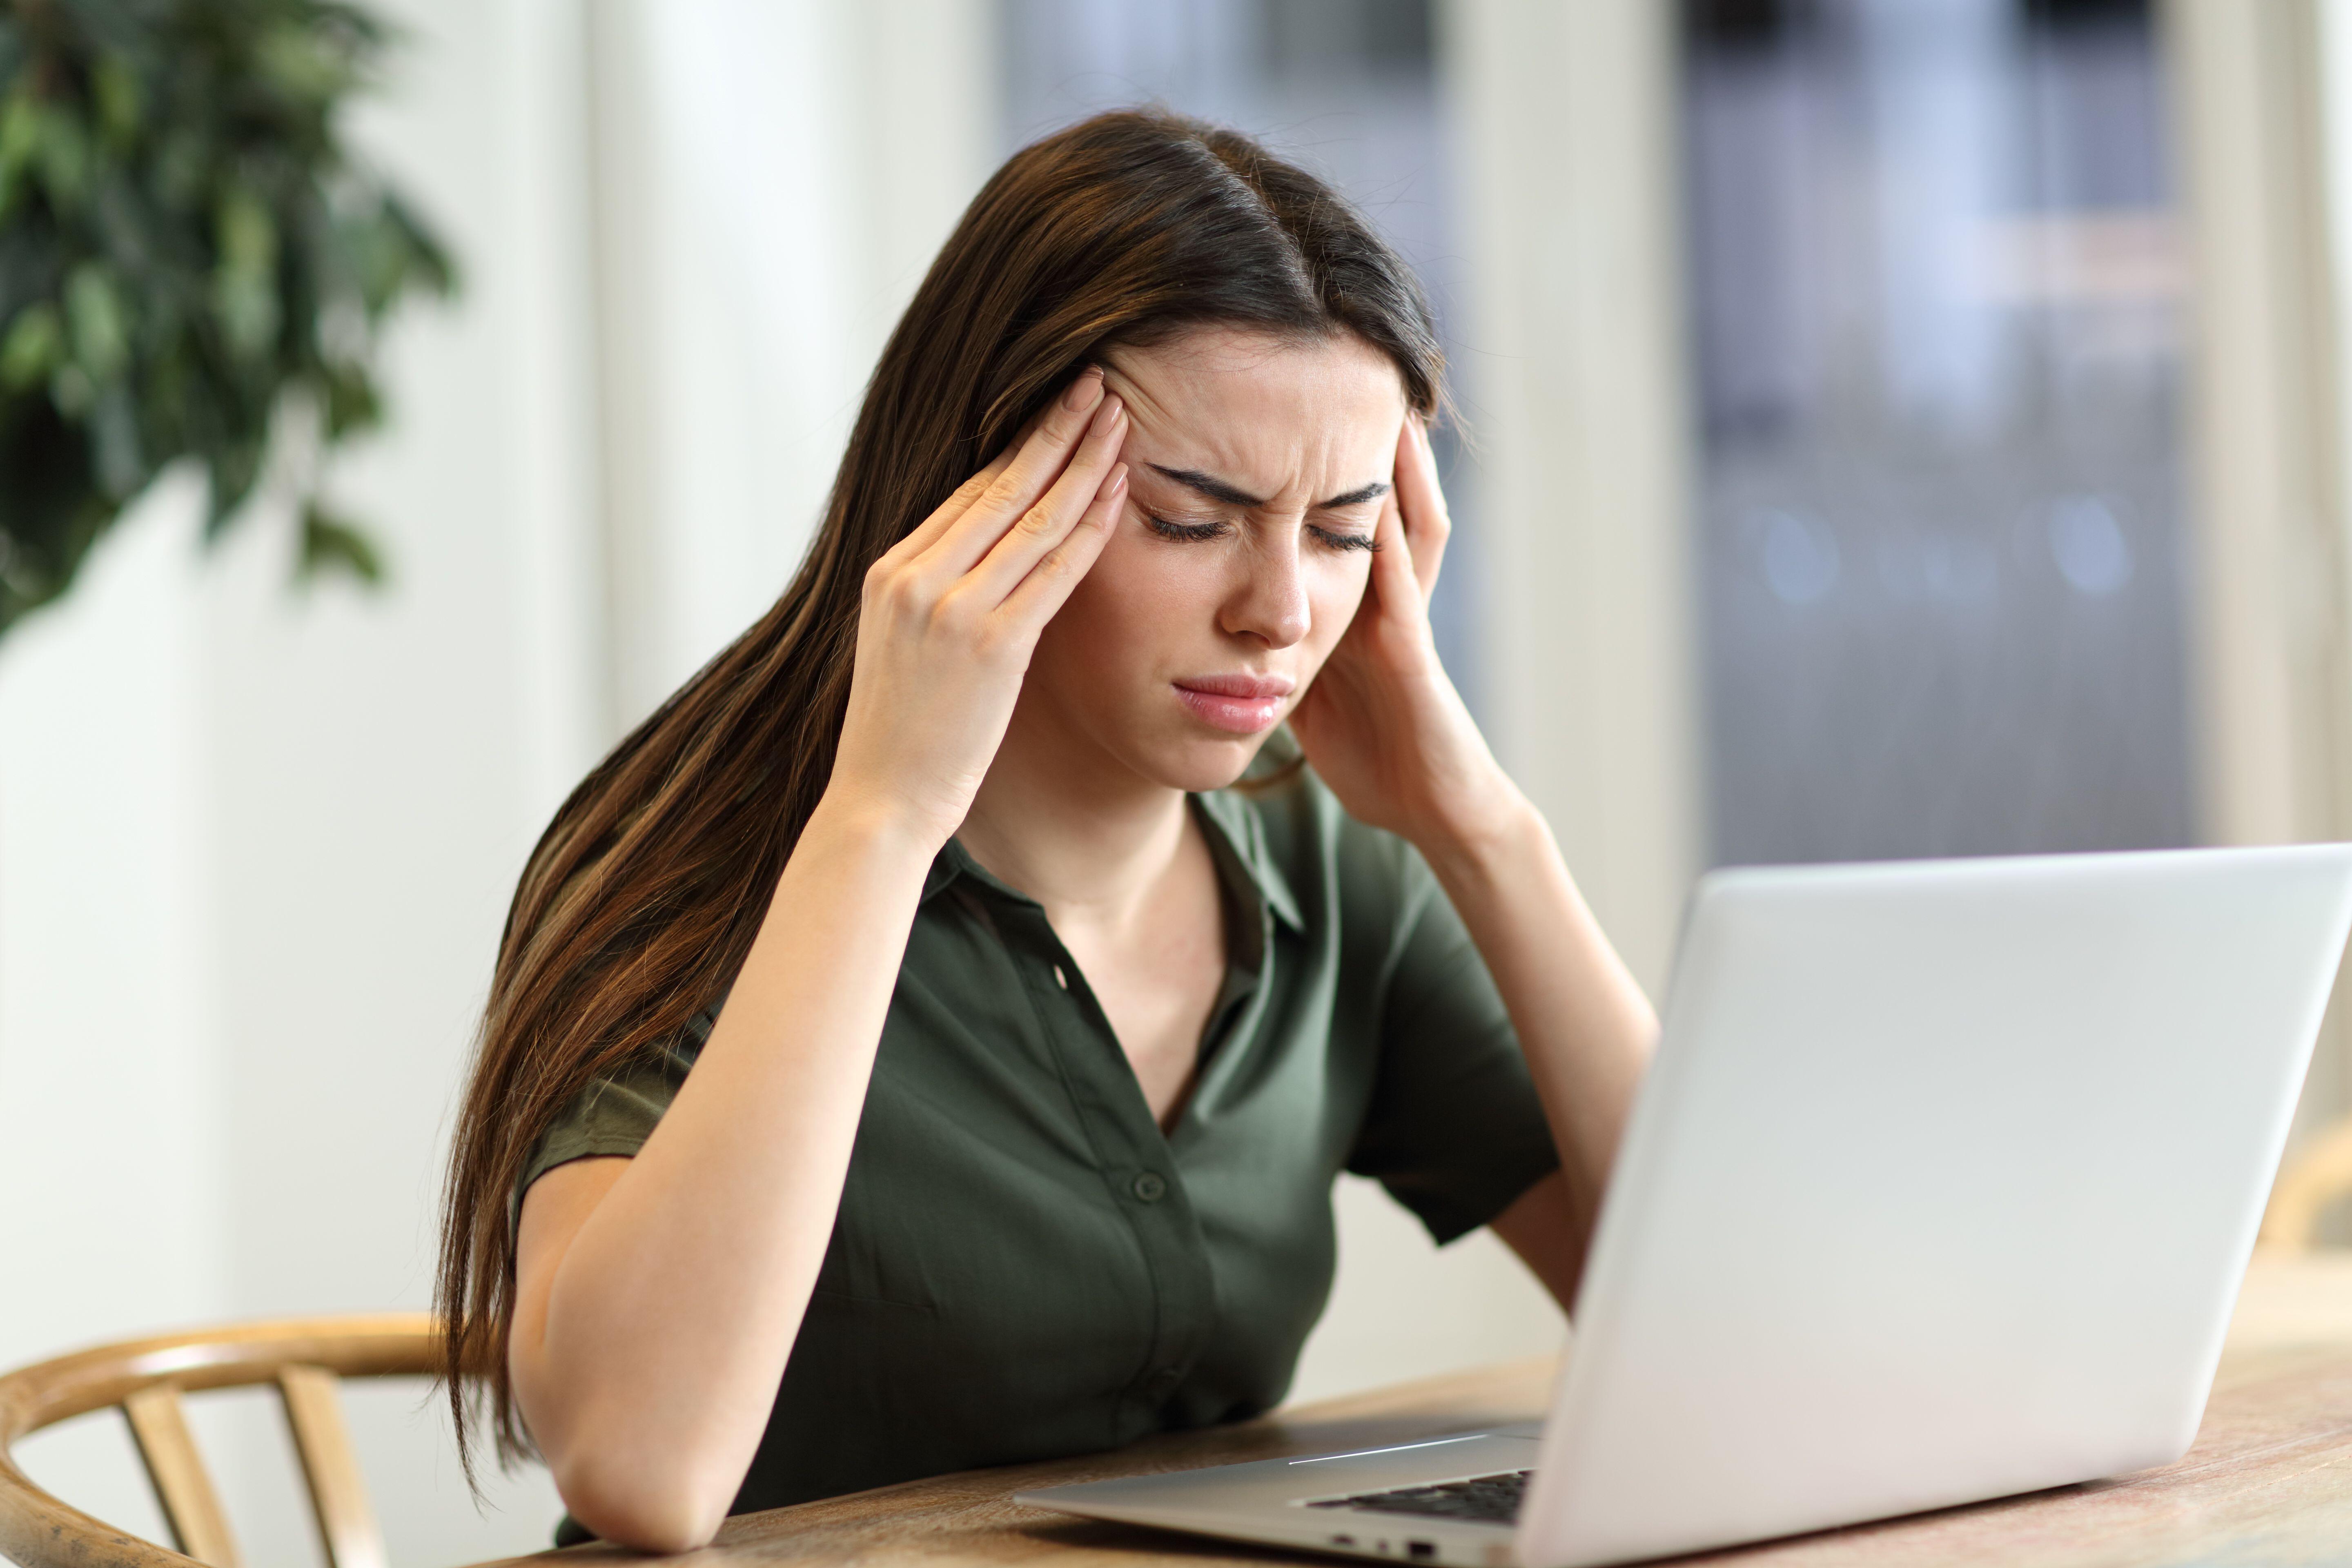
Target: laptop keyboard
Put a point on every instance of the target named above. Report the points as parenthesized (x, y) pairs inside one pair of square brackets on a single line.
[(1490, 1499)]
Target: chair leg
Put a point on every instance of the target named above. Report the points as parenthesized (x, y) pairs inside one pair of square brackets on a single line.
[(314, 1409), (191, 1507)]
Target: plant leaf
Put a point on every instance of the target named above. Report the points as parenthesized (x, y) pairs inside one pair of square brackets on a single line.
[(115, 88), (61, 154), (20, 130), (35, 343), (351, 400), (332, 545), (187, 247), (94, 319), (234, 467)]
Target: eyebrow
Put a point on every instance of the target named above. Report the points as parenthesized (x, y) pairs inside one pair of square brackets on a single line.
[(1217, 489)]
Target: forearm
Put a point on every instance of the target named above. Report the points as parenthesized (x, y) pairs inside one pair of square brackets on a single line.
[(671, 1315), (1585, 1026), (656, 1304)]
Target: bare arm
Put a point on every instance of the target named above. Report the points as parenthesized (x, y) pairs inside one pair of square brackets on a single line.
[(1585, 1026), (651, 1329), (658, 1296), (1385, 728)]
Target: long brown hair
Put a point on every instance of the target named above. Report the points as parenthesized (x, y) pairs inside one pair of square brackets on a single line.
[(643, 896)]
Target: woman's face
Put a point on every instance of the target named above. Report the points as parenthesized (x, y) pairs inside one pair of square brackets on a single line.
[(1256, 470)]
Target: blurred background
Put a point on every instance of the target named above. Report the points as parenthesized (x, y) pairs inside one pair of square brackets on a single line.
[(1892, 427)]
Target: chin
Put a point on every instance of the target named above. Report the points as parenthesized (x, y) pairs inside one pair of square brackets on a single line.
[(1200, 763)]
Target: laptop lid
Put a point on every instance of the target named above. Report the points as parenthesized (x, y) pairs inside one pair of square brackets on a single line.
[(1940, 1188)]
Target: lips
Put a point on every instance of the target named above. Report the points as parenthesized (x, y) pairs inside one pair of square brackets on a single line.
[(1237, 704)]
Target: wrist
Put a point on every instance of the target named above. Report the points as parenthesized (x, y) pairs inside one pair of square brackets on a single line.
[(869, 830), (1502, 829)]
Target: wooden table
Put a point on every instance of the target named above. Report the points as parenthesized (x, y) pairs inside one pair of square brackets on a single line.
[(2268, 1482)]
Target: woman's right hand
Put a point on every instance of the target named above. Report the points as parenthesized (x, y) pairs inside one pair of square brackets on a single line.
[(952, 613), (648, 1406)]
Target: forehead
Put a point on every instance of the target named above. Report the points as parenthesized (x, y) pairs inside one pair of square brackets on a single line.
[(1274, 415)]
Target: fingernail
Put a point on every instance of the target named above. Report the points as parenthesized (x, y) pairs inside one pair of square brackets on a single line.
[(1117, 480), (1083, 391)]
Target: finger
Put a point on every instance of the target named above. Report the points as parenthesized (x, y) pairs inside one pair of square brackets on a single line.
[(1427, 523), (1395, 579), (1047, 524), (1082, 394), (1040, 595), (1035, 467), (926, 533)]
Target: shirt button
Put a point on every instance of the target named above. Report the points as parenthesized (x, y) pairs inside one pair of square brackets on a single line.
[(1150, 1186)]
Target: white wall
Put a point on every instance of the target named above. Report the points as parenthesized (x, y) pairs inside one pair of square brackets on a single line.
[(771, 181), (255, 847), (2266, 159), (110, 1078), (1575, 380)]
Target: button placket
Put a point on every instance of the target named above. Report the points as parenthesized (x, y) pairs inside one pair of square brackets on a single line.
[(1138, 1168)]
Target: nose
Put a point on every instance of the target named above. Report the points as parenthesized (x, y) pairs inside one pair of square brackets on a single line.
[(1269, 600)]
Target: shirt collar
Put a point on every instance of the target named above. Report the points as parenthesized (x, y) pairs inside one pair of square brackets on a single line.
[(1231, 820), (953, 861), (1232, 817)]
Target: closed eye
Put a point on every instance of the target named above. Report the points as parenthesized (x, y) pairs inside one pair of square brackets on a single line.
[(1331, 540), (1197, 532), (1193, 532)]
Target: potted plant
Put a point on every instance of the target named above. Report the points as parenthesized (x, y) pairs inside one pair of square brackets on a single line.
[(192, 263)]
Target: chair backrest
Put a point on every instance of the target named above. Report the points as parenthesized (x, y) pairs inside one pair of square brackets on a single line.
[(2311, 1182), (304, 1358)]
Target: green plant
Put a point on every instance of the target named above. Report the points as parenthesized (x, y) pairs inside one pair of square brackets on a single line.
[(190, 256)]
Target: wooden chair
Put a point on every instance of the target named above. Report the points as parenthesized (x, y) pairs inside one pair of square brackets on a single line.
[(303, 1357)]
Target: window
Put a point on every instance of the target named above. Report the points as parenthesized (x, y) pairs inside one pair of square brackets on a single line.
[(1936, 293)]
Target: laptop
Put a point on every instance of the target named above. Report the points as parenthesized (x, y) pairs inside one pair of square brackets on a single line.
[(1940, 1188)]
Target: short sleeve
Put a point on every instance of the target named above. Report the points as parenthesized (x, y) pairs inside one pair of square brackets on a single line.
[(619, 1110), (1455, 1130)]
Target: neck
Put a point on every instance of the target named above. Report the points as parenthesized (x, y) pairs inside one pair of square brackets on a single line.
[(1072, 827)]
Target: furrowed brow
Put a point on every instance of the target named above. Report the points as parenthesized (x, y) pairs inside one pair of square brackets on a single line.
[(1218, 490), (1209, 485), (1372, 491)]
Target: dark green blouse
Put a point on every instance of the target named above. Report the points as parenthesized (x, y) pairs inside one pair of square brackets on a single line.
[(1023, 1266)]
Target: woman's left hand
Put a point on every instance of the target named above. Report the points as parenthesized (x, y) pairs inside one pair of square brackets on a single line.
[(1383, 724)]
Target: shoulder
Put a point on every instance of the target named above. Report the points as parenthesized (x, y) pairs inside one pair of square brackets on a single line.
[(615, 1112)]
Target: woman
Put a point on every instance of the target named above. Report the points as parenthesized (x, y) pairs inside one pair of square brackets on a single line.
[(918, 1046)]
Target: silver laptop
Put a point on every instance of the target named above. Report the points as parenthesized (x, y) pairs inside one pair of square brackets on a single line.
[(1940, 1188)]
